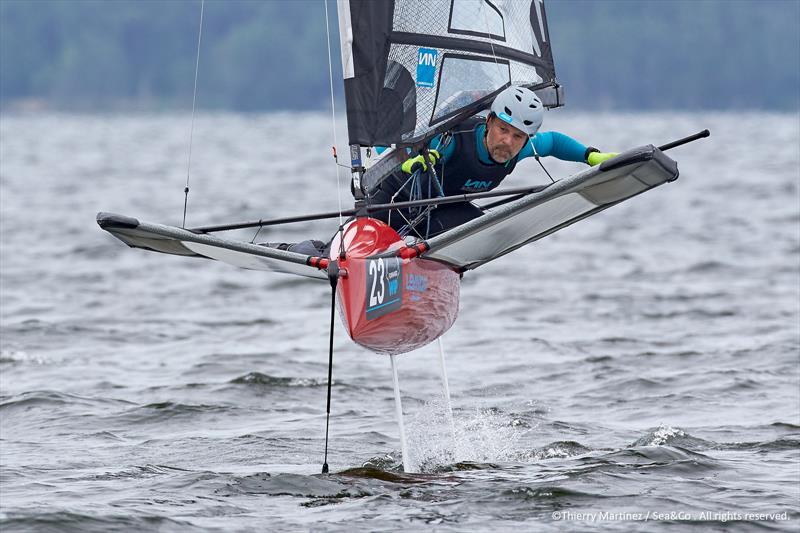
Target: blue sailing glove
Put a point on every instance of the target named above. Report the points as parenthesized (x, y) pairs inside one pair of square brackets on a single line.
[(413, 164)]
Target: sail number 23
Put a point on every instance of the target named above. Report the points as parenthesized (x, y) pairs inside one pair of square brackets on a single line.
[(376, 271), (383, 285)]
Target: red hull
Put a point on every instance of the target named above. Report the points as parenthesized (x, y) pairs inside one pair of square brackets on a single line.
[(392, 305)]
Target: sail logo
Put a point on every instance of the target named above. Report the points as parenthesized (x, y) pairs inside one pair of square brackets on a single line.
[(475, 185), (426, 67), (428, 58), (393, 280)]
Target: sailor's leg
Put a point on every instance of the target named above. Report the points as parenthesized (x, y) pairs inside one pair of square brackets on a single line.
[(311, 247)]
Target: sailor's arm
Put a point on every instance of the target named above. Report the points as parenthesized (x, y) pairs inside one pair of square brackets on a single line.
[(564, 147)]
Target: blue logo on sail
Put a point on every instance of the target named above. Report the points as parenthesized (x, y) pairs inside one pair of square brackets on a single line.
[(426, 67)]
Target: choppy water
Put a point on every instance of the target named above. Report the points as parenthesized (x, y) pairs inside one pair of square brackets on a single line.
[(640, 364)]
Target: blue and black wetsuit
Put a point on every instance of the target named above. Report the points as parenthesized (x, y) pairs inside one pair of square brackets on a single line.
[(464, 167)]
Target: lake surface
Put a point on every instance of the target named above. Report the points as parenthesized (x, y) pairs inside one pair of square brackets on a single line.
[(643, 364)]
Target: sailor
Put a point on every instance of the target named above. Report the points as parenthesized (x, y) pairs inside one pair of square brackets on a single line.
[(476, 156)]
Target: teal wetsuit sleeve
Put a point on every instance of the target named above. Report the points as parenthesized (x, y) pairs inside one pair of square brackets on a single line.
[(558, 145)]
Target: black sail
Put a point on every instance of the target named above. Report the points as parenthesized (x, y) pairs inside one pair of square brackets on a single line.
[(413, 68)]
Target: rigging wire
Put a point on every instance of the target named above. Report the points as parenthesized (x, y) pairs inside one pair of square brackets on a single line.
[(333, 112), (253, 240), (333, 266), (194, 100), (491, 44), (538, 160), (491, 41)]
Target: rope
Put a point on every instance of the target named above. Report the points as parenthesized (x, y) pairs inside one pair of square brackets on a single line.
[(545, 170), (194, 100), (253, 240), (333, 113), (538, 159), (530, 140)]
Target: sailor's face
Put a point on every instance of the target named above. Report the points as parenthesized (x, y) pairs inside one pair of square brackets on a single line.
[(503, 141)]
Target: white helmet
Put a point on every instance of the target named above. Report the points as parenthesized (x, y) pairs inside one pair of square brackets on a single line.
[(520, 107)]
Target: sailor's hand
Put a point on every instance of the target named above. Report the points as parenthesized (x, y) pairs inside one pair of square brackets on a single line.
[(595, 158), (413, 164)]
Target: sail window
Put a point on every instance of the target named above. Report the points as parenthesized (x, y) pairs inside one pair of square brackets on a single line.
[(465, 79), (476, 17)]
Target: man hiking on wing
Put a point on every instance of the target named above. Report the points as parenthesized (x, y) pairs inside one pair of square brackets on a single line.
[(474, 156)]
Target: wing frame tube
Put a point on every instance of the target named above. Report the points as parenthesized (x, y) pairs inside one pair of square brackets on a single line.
[(120, 224), (577, 183)]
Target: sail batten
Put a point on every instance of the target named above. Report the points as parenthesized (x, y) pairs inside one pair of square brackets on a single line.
[(467, 45), (345, 38)]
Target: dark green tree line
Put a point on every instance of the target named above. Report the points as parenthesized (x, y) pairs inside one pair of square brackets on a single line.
[(270, 54)]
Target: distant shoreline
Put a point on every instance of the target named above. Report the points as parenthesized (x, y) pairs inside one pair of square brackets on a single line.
[(45, 105)]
